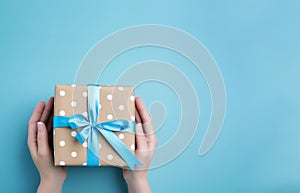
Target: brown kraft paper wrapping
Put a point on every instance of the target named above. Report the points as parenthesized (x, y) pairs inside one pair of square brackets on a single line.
[(116, 102)]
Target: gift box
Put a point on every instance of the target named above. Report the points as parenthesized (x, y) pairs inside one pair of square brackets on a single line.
[(94, 125)]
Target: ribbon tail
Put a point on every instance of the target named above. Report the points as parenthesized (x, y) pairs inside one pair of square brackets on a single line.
[(121, 149), (93, 148)]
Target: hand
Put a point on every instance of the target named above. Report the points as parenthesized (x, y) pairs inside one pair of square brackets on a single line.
[(51, 177), (145, 145)]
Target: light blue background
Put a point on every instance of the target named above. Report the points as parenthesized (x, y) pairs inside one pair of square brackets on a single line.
[(256, 44)]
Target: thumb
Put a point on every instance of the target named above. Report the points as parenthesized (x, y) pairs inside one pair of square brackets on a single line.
[(42, 141)]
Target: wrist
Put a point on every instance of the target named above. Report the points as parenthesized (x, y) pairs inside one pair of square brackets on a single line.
[(50, 185), (135, 176), (52, 181), (138, 184), (57, 178), (136, 180)]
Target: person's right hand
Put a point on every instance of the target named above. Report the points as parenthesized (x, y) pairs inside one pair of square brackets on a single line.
[(146, 142)]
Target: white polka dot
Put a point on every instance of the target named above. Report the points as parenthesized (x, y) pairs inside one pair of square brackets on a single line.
[(73, 154), (84, 164), (84, 144), (62, 143), (62, 163), (62, 93), (109, 97), (53, 152), (53, 132), (121, 88), (121, 136), (99, 146), (109, 117), (73, 85), (73, 133), (62, 113), (73, 103), (132, 118), (132, 98), (110, 157), (99, 106), (132, 147), (84, 94), (85, 114), (121, 107)]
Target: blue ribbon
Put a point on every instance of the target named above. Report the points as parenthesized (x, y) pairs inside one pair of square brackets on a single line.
[(89, 130)]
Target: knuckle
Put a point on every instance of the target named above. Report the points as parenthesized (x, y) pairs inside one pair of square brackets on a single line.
[(30, 122)]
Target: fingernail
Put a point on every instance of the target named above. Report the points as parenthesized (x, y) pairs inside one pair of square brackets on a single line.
[(40, 126)]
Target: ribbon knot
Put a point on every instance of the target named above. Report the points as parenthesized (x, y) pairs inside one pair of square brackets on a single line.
[(88, 131)]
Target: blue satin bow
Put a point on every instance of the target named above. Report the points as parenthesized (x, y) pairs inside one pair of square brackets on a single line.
[(89, 130)]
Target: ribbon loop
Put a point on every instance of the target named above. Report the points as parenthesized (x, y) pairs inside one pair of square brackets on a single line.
[(78, 121)]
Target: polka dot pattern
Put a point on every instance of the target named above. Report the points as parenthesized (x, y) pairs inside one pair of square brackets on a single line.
[(73, 103), (121, 107), (109, 97), (109, 117), (62, 93), (73, 133), (132, 98), (84, 94), (62, 143), (132, 147), (73, 154), (121, 136), (110, 156), (115, 103), (62, 113)]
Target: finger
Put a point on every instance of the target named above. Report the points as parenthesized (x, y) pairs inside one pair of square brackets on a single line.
[(145, 117), (137, 117), (152, 141), (140, 139), (43, 146), (37, 113), (47, 111), (147, 125), (32, 127)]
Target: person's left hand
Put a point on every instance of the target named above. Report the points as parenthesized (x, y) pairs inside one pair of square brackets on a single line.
[(51, 177)]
